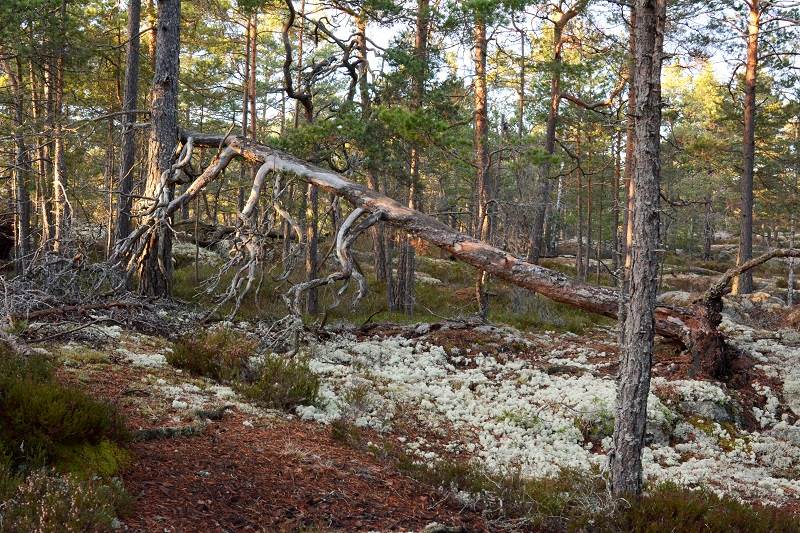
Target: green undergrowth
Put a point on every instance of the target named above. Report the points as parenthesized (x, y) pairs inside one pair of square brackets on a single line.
[(283, 383), (219, 353), (572, 500), (271, 380), (452, 299), (60, 451)]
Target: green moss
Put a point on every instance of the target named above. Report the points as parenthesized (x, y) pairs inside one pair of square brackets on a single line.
[(727, 443), (104, 458), (85, 356), (523, 420)]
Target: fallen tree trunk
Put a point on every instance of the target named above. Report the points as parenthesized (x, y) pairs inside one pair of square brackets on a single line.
[(675, 323), (694, 327)]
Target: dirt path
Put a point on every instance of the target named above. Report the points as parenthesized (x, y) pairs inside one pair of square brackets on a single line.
[(258, 474), (284, 476)]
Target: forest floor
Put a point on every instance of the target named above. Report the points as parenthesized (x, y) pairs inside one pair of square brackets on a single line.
[(252, 469), (444, 393), (408, 411)]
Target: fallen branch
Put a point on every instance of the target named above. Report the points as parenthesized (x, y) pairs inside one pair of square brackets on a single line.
[(695, 327), (721, 287), (670, 321), (43, 313)]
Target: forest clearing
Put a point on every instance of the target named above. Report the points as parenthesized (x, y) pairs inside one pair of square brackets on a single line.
[(374, 265)]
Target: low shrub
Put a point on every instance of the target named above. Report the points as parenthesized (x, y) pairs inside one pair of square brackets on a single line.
[(346, 432), (47, 502), (668, 507), (220, 354), (43, 422), (783, 283), (283, 383), (59, 449), (581, 501)]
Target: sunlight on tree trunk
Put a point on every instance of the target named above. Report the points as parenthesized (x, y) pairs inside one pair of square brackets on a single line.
[(639, 328)]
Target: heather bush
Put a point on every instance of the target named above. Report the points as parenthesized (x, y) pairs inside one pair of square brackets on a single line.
[(221, 354), (59, 451), (283, 383), (47, 502), (43, 422)]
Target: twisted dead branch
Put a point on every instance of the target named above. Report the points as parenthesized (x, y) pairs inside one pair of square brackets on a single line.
[(694, 326)]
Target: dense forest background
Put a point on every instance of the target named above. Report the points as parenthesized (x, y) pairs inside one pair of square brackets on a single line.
[(395, 109), (318, 169)]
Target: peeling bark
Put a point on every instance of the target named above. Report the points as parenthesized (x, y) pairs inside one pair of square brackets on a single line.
[(155, 265), (638, 331)]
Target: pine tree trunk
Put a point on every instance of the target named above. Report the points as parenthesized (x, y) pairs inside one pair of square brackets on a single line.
[(40, 114), (378, 231), (579, 270), (414, 189), (639, 327), (708, 228), (108, 178), (588, 251), (61, 214), (744, 284), (790, 281), (312, 244), (481, 162), (630, 155), (128, 148), (155, 267), (544, 186), (615, 185), (22, 170)]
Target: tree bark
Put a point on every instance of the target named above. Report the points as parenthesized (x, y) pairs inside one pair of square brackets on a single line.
[(640, 324), (744, 285), (790, 277), (378, 231), (626, 232), (544, 186), (128, 148), (480, 145), (407, 268), (155, 267), (708, 228), (22, 169), (61, 213), (41, 114), (615, 206)]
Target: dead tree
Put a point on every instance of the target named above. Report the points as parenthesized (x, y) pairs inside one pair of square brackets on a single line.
[(694, 327)]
